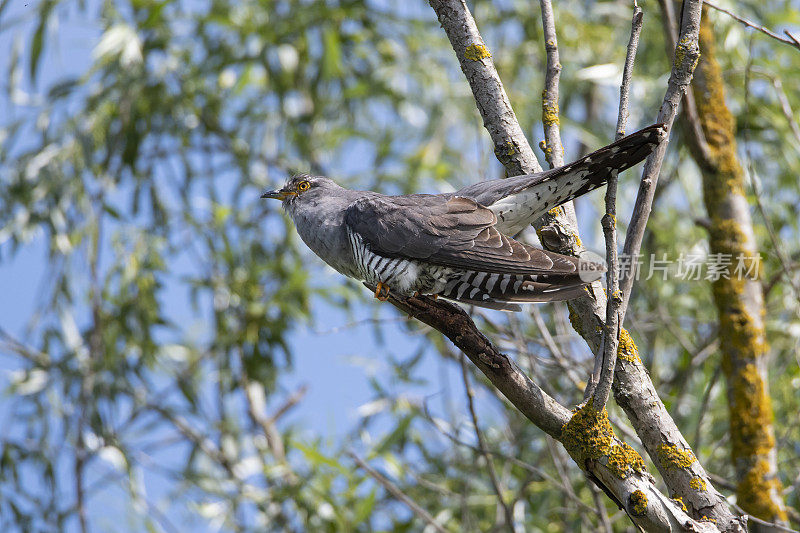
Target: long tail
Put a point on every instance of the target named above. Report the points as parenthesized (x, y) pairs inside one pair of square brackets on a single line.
[(506, 291), (520, 200)]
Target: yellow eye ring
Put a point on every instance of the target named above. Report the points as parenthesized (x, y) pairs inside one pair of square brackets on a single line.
[(303, 186)]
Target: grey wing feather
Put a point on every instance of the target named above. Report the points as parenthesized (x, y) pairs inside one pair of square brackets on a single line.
[(449, 231)]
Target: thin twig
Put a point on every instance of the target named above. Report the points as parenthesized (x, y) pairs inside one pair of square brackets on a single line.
[(552, 147), (609, 222), (786, 107), (791, 41), (290, 402), (770, 525), (692, 121), (706, 398), (270, 432), (395, 491), (502, 371), (509, 459), (555, 351), (561, 470), (498, 489), (755, 183), (601, 509), (624, 89), (687, 52), (267, 424)]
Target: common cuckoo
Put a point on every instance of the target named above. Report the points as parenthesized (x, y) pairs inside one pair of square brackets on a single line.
[(457, 245)]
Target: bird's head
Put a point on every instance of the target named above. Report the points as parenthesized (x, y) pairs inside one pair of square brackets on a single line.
[(302, 189)]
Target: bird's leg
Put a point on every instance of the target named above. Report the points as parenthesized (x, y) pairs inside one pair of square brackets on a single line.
[(379, 294)]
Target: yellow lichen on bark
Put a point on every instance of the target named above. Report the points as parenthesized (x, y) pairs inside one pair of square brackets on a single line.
[(588, 436), (679, 501), (738, 299), (550, 113), (697, 483), (627, 348), (752, 488), (673, 457), (638, 503), (476, 52), (681, 53), (623, 458)]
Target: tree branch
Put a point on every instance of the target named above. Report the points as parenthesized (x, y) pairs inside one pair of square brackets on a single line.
[(627, 73), (611, 465), (510, 144), (455, 324), (687, 52), (791, 40), (395, 491), (738, 298), (614, 312), (552, 147), (509, 518)]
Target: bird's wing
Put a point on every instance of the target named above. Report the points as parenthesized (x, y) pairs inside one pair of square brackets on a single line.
[(520, 200), (449, 231)]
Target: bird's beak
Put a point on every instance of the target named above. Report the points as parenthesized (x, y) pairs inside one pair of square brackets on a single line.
[(277, 194)]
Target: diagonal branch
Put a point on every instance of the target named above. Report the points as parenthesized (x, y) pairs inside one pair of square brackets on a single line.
[(510, 144), (395, 491), (587, 435), (791, 40), (687, 52)]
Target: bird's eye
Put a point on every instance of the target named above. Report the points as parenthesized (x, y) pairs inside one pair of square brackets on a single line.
[(303, 186)]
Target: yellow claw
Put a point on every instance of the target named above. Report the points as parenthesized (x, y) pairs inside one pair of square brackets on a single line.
[(379, 294)]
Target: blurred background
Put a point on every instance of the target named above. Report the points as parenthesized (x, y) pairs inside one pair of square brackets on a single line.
[(172, 355)]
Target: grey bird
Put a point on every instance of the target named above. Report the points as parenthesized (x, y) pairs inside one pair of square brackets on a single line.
[(457, 245)]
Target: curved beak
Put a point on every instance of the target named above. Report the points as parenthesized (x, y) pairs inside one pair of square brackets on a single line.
[(277, 194)]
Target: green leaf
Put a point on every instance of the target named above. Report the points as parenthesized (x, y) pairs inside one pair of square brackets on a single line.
[(394, 437), (332, 57), (317, 458), (37, 42), (364, 507)]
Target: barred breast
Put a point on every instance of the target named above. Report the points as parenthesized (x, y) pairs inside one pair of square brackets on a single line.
[(401, 275)]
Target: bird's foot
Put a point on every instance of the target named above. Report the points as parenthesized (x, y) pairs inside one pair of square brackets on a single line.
[(417, 294), (379, 292)]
